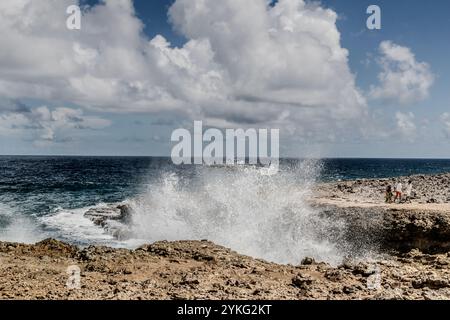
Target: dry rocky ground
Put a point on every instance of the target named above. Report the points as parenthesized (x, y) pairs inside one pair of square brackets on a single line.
[(203, 270), (427, 189), (414, 264)]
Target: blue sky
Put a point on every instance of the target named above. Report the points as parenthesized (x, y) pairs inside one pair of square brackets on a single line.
[(423, 26), (419, 131)]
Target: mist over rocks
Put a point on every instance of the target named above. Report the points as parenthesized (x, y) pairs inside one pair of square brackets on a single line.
[(421, 222), (388, 230), (349, 217), (394, 251), (270, 220)]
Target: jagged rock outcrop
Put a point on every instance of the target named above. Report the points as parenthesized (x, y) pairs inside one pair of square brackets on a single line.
[(421, 221), (389, 229), (113, 218)]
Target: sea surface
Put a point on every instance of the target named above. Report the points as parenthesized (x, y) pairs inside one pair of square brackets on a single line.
[(244, 208)]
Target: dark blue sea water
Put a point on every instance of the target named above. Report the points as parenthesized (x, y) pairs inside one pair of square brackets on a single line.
[(47, 196), (42, 183), (351, 169)]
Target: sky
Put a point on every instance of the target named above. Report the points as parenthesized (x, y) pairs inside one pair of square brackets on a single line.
[(137, 70)]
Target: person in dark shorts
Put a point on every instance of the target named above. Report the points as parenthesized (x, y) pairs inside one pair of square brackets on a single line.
[(388, 195)]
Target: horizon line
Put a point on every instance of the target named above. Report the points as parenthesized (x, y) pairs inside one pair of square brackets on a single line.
[(168, 156)]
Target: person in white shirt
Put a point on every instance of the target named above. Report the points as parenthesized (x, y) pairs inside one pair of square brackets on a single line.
[(408, 190), (398, 192)]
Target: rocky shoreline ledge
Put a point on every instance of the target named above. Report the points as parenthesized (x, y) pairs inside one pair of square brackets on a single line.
[(412, 239), (427, 190), (203, 270), (422, 222)]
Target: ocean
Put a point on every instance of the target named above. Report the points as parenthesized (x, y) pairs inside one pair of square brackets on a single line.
[(241, 207)]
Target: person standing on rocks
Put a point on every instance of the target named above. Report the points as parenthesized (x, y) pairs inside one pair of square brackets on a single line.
[(409, 190), (398, 192), (388, 196)]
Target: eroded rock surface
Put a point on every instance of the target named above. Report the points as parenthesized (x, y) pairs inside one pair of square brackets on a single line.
[(113, 218), (203, 270), (388, 229), (413, 241), (421, 222)]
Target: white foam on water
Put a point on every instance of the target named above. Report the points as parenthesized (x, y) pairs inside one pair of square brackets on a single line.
[(244, 208), (264, 216), (71, 225), (18, 227)]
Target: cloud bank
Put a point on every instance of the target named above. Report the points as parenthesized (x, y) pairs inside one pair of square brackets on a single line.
[(243, 64), (249, 63), (45, 125)]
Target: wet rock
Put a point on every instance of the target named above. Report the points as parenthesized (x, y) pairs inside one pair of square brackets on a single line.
[(113, 218), (426, 231), (125, 213), (307, 261), (101, 215)]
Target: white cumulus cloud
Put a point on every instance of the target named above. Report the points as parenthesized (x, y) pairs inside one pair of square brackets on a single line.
[(403, 79), (244, 62)]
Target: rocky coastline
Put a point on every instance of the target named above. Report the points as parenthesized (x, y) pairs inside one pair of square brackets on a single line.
[(413, 240)]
